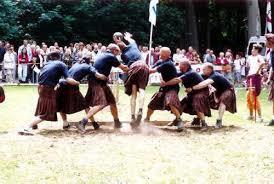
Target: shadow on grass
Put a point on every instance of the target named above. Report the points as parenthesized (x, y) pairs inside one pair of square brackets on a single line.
[(156, 128)]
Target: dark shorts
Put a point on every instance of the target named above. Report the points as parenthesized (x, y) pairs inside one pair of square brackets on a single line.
[(70, 100), (2, 95), (163, 99), (46, 107), (138, 75), (228, 98), (196, 102), (99, 94)]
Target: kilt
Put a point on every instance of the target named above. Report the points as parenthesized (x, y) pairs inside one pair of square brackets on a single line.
[(197, 101), (46, 107), (99, 94), (228, 98), (161, 100), (70, 100), (2, 95), (254, 81), (138, 75)]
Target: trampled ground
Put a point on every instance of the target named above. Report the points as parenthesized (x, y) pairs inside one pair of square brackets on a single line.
[(241, 152)]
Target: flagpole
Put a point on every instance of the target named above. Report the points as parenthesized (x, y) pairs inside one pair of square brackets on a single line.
[(150, 44)]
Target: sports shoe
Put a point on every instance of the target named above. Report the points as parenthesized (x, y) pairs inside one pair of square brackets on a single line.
[(117, 123), (26, 131), (95, 125), (81, 125), (180, 126), (196, 122), (204, 124), (66, 127), (34, 127), (259, 119), (271, 123), (218, 124)]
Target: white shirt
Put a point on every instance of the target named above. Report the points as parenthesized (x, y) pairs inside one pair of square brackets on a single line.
[(9, 60), (237, 64), (254, 63)]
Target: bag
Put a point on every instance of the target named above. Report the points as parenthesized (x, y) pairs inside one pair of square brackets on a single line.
[(2, 94)]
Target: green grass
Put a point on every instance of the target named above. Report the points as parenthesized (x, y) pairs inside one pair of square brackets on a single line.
[(242, 153)]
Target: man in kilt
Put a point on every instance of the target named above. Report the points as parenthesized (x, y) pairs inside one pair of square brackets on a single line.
[(270, 44), (167, 96), (224, 98), (2, 94), (195, 102), (49, 77), (99, 94), (69, 98), (138, 74)]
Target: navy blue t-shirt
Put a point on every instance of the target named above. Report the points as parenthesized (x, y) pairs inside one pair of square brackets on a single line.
[(272, 60), (104, 62), (191, 78), (221, 84), (52, 72), (168, 71), (131, 54), (79, 71)]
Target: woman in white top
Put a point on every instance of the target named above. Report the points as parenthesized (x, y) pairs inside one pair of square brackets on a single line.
[(255, 62), (9, 64)]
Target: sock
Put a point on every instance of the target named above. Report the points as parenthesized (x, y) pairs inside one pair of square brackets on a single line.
[(140, 112), (85, 121)]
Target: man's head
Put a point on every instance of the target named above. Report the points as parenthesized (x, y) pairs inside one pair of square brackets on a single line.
[(53, 56), (178, 51), (118, 36), (190, 49), (211, 52), (25, 43), (184, 65), (270, 40), (114, 49), (165, 53), (222, 55), (145, 49), (257, 48), (207, 69), (87, 58)]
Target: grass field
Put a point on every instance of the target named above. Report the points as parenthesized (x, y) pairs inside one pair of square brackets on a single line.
[(241, 152)]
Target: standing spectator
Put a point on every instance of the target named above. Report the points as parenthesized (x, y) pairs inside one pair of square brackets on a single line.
[(9, 63), (2, 53), (210, 57), (153, 58), (144, 53), (255, 63), (237, 70), (27, 47), (16, 62), (23, 60), (243, 66)]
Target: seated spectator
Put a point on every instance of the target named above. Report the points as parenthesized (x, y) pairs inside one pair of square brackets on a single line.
[(210, 57)]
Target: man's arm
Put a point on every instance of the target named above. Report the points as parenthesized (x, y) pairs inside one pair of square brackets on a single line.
[(128, 37), (152, 70), (261, 66), (270, 75), (172, 82), (203, 84), (124, 68), (71, 81)]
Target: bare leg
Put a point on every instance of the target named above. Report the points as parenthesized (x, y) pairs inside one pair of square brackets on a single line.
[(91, 118), (178, 120), (114, 111), (93, 110), (149, 113), (64, 118), (222, 108)]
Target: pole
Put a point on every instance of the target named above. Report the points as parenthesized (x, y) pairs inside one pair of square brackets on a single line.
[(150, 43)]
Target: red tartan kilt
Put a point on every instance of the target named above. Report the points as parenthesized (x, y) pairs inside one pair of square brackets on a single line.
[(70, 100), (99, 94), (2, 95), (162, 100), (138, 75), (46, 107)]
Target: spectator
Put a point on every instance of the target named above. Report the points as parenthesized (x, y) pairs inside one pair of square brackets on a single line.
[(153, 58), (27, 47), (177, 57), (189, 54), (196, 58), (2, 53), (15, 65), (210, 57), (237, 70), (221, 59), (9, 65), (144, 53), (23, 61)]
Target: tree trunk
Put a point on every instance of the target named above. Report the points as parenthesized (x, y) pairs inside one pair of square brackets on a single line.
[(253, 17), (192, 32)]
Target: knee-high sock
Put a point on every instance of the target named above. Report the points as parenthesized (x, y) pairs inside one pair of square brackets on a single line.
[(141, 99), (222, 108), (133, 103)]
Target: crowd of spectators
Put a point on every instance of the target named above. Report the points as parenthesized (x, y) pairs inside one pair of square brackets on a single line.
[(23, 66)]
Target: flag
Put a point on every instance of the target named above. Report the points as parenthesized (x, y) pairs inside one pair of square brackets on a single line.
[(268, 25), (268, 17), (153, 11)]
